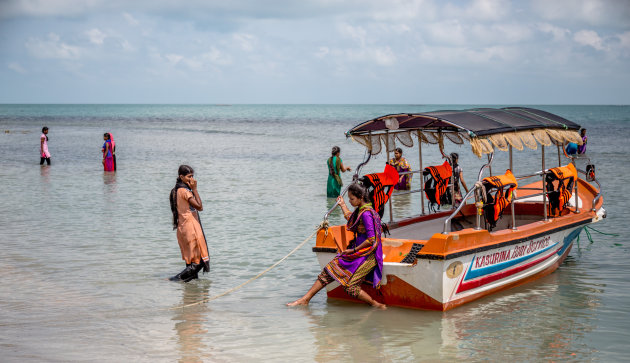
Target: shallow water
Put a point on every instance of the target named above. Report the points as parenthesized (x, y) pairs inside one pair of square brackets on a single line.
[(87, 254)]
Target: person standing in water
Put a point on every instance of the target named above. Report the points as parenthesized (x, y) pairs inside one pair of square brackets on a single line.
[(335, 166), (185, 204), (402, 165), (362, 260), (458, 176), (581, 149), (43, 147), (108, 153)]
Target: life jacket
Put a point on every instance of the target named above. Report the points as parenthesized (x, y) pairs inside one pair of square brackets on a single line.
[(498, 196), (380, 187), (559, 194), (436, 180)]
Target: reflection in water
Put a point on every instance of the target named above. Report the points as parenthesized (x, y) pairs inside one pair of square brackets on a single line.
[(532, 321), (44, 172), (109, 177), (526, 321), (189, 322)]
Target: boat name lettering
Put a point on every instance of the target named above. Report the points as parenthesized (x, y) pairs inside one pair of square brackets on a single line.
[(516, 252)]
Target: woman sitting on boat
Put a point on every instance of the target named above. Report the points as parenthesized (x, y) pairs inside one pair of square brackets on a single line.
[(362, 260), (401, 164), (335, 166)]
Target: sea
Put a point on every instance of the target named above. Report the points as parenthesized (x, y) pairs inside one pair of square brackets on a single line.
[(86, 254)]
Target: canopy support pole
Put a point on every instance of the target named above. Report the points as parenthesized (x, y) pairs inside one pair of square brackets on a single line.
[(559, 158), (489, 164), (577, 206), (391, 217), (421, 169), (511, 165), (544, 184)]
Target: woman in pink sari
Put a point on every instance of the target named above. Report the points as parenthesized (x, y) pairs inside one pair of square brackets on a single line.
[(362, 260), (109, 147)]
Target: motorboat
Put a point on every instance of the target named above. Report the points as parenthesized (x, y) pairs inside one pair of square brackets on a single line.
[(508, 230)]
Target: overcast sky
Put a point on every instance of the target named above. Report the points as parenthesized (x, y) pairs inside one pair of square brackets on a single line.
[(315, 51)]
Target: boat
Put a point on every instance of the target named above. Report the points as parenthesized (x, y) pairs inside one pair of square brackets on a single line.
[(508, 230)]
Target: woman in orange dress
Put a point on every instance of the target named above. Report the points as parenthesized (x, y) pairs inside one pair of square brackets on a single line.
[(185, 204)]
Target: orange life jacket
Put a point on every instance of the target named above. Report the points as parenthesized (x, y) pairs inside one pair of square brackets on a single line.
[(436, 182), (559, 196), (498, 196), (380, 187)]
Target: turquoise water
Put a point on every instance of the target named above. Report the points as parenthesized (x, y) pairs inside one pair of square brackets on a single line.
[(86, 255)]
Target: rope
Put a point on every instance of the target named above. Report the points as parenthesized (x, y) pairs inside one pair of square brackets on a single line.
[(590, 237), (253, 278), (600, 232)]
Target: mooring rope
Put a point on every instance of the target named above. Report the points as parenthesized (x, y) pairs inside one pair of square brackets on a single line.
[(590, 238), (253, 278)]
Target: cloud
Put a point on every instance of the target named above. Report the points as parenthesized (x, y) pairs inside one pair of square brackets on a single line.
[(558, 34), (173, 59), (52, 48), (244, 41), (478, 10), (130, 19), (45, 8), (14, 66), (610, 13), (589, 38), (96, 36)]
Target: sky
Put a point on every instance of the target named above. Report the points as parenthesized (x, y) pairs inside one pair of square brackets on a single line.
[(315, 51)]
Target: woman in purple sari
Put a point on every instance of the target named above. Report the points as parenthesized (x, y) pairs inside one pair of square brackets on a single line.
[(362, 260), (108, 153)]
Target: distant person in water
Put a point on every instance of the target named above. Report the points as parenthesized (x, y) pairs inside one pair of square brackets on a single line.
[(335, 167), (43, 147), (362, 260), (185, 204), (582, 148), (109, 163), (401, 164)]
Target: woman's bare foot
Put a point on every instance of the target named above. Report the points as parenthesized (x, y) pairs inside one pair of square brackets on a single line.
[(380, 306), (297, 302)]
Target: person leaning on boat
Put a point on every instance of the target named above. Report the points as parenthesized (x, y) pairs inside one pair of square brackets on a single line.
[(362, 260), (335, 166)]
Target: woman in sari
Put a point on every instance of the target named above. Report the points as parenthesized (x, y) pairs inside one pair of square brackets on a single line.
[(335, 166), (185, 202), (401, 164), (362, 260), (108, 152)]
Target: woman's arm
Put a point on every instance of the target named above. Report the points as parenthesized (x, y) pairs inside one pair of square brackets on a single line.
[(461, 178), (195, 200), (343, 167), (41, 145), (370, 229), (344, 208)]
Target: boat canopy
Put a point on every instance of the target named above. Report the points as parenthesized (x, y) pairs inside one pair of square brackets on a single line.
[(484, 128)]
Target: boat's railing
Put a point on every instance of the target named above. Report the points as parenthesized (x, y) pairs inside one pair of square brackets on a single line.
[(543, 193), (599, 189)]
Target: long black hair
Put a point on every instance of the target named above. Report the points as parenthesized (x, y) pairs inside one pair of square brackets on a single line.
[(45, 129), (454, 160), (359, 191), (183, 170)]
